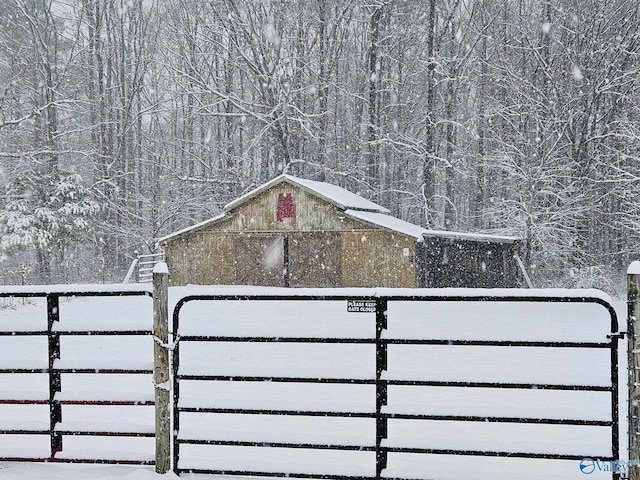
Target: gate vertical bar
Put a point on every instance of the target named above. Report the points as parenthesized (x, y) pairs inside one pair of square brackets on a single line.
[(175, 365), (161, 366), (286, 270), (381, 385), (615, 395), (55, 383), (633, 359)]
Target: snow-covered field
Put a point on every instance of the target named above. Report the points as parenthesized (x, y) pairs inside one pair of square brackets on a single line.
[(509, 321), (39, 471)]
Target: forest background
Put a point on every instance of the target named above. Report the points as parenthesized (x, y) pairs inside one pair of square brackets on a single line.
[(124, 120)]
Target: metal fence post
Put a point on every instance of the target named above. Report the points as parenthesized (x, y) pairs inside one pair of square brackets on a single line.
[(381, 385), (633, 355), (55, 383), (161, 366)]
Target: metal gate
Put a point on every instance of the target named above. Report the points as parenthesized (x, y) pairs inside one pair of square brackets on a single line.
[(388, 385), (67, 363)]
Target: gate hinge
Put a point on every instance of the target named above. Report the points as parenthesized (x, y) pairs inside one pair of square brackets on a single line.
[(618, 335)]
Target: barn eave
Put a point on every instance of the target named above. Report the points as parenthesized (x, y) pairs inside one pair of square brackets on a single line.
[(189, 230), (472, 237)]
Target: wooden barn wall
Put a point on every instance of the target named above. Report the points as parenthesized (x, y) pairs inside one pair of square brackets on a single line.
[(315, 259), (201, 258), (373, 258), (257, 259)]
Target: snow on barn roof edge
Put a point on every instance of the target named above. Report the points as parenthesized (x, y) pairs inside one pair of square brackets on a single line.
[(413, 230), (353, 205), (339, 196)]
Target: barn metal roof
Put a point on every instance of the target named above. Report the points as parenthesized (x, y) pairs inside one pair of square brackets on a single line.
[(473, 237), (192, 228), (389, 222), (413, 230), (340, 197)]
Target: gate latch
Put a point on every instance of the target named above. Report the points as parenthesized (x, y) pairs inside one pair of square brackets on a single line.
[(618, 335)]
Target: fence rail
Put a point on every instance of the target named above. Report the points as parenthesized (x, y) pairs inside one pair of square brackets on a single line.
[(51, 393), (386, 416)]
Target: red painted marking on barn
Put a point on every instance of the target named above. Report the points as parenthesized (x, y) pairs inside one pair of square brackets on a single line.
[(286, 208)]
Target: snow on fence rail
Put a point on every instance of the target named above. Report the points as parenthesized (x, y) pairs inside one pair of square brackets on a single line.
[(75, 371), (476, 385)]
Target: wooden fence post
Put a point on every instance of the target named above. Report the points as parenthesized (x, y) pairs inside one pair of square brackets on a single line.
[(161, 366), (633, 356)]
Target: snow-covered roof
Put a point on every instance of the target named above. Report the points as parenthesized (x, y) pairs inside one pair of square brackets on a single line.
[(388, 222), (340, 197), (474, 237), (192, 228), (410, 229)]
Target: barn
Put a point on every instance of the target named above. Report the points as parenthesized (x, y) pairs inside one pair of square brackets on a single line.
[(293, 232)]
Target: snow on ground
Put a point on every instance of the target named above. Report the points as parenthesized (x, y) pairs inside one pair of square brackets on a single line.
[(39, 471), (439, 320)]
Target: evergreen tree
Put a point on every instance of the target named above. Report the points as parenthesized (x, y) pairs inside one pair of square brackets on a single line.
[(47, 214)]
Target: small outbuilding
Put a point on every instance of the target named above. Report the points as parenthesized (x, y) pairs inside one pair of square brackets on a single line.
[(293, 232)]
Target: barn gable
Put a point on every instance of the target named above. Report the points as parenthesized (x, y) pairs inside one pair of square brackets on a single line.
[(287, 206), (338, 196)]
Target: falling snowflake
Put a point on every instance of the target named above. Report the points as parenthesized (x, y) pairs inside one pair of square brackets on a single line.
[(577, 73)]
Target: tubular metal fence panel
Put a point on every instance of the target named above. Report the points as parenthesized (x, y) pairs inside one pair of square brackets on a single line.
[(361, 400), (55, 366), (396, 432)]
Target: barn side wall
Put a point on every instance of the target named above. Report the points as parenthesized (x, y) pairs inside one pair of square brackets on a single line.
[(361, 258), (373, 258), (467, 263), (203, 258)]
